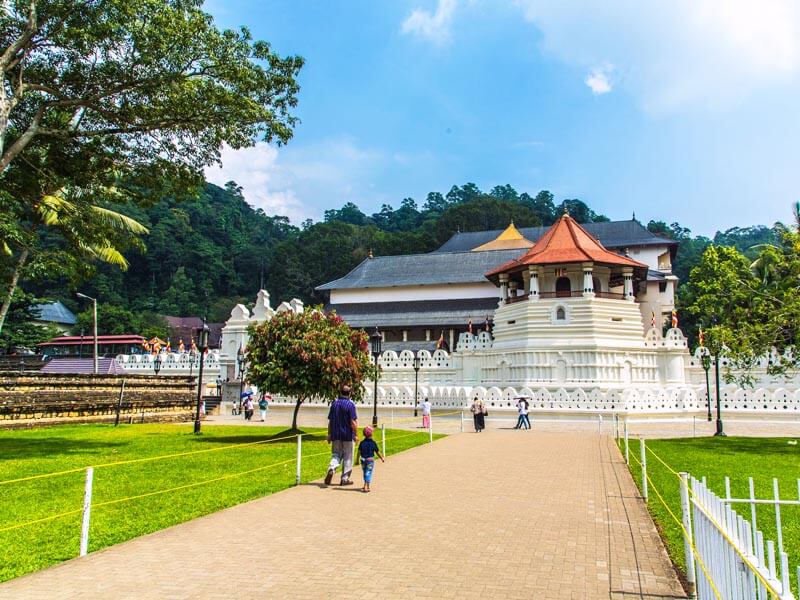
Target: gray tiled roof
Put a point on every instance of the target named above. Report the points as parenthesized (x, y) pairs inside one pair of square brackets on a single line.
[(418, 313), (436, 268), (54, 312), (612, 234)]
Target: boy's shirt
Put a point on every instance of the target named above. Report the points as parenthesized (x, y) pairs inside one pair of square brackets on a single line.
[(367, 448)]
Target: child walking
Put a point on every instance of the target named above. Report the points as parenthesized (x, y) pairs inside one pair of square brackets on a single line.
[(367, 450)]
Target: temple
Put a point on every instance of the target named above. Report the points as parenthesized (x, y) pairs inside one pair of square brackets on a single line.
[(416, 300)]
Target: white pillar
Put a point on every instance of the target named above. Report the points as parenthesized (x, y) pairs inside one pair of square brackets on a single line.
[(427, 335), (526, 282), (405, 335), (452, 339), (534, 275), (588, 284), (512, 288), (627, 276), (503, 288)]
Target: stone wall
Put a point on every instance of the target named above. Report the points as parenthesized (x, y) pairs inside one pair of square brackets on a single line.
[(36, 398)]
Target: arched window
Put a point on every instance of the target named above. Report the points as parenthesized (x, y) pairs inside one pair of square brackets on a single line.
[(563, 287), (596, 285), (561, 314)]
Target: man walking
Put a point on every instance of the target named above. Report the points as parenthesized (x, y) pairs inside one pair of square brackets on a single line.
[(342, 434)]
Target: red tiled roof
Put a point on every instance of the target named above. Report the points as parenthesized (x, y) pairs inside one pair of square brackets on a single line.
[(567, 242)]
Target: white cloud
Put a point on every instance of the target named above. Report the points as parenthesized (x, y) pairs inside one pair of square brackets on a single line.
[(598, 79), (680, 53), (299, 181), (432, 26)]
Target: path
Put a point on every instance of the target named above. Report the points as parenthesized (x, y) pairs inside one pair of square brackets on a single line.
[(502, 514)]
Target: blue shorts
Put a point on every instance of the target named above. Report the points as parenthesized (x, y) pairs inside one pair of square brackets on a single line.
[(367, 465)]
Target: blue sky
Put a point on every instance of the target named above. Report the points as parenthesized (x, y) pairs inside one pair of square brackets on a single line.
[(683, 111)]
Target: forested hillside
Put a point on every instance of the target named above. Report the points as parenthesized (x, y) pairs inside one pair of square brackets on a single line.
[(203, 255)]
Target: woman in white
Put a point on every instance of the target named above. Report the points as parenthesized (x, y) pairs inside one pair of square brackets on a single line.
[(522, 407)]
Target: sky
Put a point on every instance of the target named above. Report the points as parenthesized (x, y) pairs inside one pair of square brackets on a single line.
[(684, 111)]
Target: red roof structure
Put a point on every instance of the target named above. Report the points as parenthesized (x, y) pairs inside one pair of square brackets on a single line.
[(566, 242)]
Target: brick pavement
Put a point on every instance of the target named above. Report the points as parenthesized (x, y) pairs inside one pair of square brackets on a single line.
[(501, 514)]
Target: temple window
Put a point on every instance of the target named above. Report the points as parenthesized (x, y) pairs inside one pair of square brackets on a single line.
[(561, 314)]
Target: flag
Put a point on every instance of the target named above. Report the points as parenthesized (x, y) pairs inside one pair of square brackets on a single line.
[(653, 318), (169, 346), (440, 341), (469, 327), (702, 337), (674, 319)]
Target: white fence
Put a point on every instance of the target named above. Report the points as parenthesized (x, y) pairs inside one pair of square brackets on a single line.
[(737, 564)]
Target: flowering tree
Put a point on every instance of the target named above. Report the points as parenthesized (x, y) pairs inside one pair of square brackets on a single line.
[(307, 354)]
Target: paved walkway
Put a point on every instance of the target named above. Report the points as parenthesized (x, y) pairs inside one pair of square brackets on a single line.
[(501, 514)]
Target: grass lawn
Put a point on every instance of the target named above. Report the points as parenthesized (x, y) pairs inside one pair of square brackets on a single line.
[(714, 458), (50, 449)]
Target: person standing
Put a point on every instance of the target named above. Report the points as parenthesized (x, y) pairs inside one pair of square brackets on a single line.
[(478, 410), (426, 414), (263, 405), (249, 407), (342, 434), (367, 450), (522, 420)]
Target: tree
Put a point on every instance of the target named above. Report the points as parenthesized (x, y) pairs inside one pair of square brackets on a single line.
[(20, 330), (154, 80), (579, 211), (308, 354), (542, 205), (483, 213)]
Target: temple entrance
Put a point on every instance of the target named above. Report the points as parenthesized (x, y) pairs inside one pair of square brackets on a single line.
[(563, 287)]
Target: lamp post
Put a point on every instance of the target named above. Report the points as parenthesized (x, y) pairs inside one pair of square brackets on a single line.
[(94, 326), (719, 432), (240, 359), (375, 341), (705, 360), (416, 363), (203, 337), (157, 363)]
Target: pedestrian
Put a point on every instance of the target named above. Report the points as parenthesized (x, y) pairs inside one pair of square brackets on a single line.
[(426, 414), (263, 405), (367, 450), (479, 413), (522, 408), (247, 395), (342, 434), (249, 407)]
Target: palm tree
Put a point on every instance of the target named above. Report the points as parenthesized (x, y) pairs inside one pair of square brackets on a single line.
[(90, 231)]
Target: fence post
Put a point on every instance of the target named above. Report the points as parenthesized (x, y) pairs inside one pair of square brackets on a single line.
[(87, 511), (119, 403), (694, 426), (627, 454), (599, 423), (643, 455), (687, 535), (778, 514), (383, 439), (299, 458), (462, 421)]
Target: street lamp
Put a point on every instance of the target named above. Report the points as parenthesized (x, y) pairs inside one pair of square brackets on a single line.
[(203, 337), (416, 364), (94, 326), (705, 360), (719, 431), (157, 363), (240, 360), (375, 341)]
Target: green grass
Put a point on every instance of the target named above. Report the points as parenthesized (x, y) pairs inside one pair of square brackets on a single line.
[(715, 458), (25, 453)]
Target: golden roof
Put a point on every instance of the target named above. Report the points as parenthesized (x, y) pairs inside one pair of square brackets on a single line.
[(510, 239)]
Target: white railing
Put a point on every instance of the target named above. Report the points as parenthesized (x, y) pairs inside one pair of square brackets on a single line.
[(736, 562)]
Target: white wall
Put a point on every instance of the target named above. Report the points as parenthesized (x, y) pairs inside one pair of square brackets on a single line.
[(408, 293), (648, 254)]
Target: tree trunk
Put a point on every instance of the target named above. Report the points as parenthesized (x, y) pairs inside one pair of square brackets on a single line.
[(13, 286), (294, 416)]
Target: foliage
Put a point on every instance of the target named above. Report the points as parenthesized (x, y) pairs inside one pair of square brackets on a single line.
[(749, 310), (49, 449), (20, 330), (115, 320), (308, 354)]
